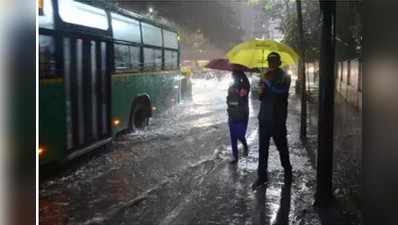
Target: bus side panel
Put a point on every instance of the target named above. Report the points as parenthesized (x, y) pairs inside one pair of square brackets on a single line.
[(162, 87), (52, 120), (168, 92)]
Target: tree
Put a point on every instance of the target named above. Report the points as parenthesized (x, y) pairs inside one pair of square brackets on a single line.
[(348, 30), (323, 194), (300, 30), (311, 30), (301, 72), (277, 10)]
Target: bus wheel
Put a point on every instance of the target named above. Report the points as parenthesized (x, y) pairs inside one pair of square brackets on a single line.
[(139, 117)]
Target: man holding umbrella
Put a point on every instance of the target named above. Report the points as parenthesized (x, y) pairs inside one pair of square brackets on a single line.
[(273, 94)]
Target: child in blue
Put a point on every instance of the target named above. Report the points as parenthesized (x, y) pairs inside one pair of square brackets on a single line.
[(238, 111)]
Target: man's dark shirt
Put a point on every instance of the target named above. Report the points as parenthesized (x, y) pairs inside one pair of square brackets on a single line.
[(274, 100)]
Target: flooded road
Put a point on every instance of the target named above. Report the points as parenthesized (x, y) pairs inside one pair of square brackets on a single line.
[(176, 171)]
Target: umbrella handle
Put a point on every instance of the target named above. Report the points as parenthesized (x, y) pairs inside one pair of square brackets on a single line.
[(264, 57)]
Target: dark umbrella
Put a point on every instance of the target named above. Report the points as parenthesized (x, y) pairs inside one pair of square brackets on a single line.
[(223, 64)]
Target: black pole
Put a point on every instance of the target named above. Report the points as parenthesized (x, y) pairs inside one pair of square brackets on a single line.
[(303, 125), (326, 105)]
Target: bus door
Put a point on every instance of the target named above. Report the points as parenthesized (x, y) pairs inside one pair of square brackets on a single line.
[(87, 71)]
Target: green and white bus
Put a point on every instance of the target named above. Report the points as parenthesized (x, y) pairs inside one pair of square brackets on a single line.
[(102, 70)]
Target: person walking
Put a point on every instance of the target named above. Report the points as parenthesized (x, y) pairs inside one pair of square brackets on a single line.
[(273, 94), (238, 112)]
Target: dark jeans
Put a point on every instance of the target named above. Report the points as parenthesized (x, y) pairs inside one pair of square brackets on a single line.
[(237, 129), (278, 134)]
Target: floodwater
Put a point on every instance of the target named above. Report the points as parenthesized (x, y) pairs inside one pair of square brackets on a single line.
[(176, 171)]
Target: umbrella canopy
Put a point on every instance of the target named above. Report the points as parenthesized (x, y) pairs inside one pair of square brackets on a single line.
[(253, 53), (223, 64)]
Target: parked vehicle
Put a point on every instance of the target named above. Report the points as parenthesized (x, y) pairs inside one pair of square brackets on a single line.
[(102, 71)]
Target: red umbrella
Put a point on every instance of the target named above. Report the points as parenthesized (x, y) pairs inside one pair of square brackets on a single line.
[(223, 64)]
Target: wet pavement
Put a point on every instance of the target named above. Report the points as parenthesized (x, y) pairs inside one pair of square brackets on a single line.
[(347, 152), (176, 171)]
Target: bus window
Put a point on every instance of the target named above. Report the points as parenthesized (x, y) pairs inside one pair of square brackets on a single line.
[(170, 60), (158, 59), (78, 13), (46, 17), (135, 64), (152, 59), (47, 66), (127, 58), (122, 57), (125, 29), (170, 39), (151, 35)]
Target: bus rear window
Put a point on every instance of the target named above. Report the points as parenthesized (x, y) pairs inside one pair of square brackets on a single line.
[(170, 60), (170, 39), (47, 66)]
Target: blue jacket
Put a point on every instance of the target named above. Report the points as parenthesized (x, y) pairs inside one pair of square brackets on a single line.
[(274, 100)]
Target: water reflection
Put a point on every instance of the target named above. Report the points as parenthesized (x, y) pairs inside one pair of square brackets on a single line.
[(249, 163), (260, 210), (282, 217), (264, 212), (233, 170), (211, 88)]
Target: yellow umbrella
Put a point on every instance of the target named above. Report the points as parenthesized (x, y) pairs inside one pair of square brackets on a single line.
[(253, 53)]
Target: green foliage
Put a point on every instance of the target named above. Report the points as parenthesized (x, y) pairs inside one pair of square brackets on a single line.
[(348, 30), (348, 26), (311, 29), (285, 12)]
